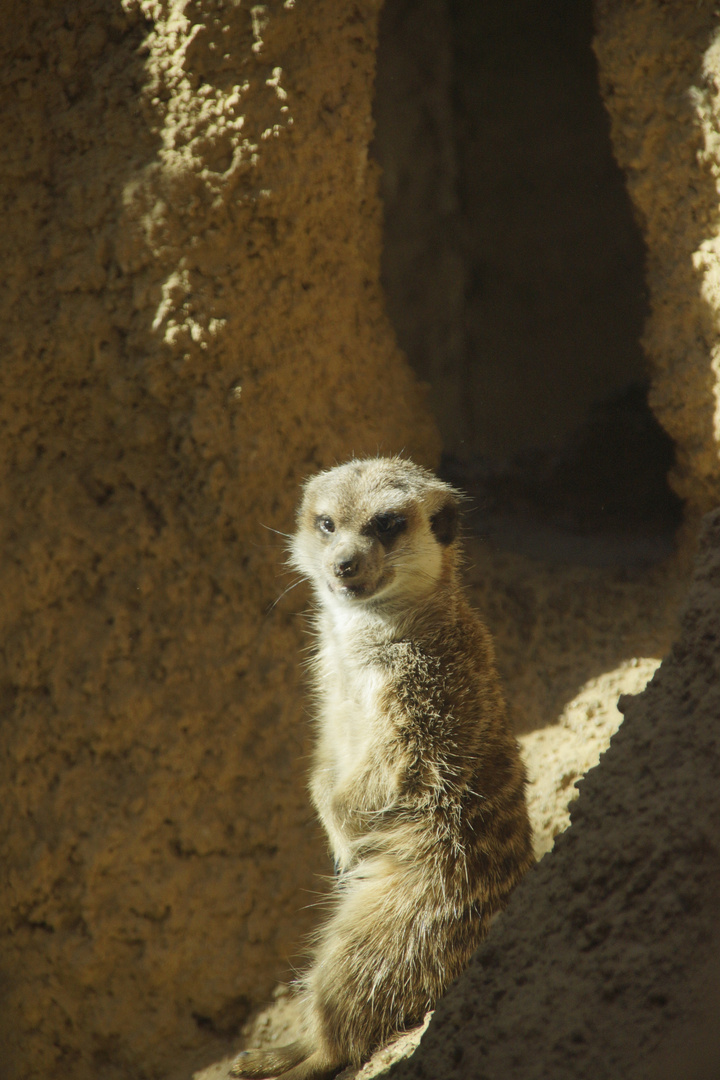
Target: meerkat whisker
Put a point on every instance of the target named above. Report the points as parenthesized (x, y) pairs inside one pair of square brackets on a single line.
[(285, 536), (284, 593)]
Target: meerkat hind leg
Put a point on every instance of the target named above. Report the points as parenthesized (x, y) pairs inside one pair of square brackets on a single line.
[(275, 1062)]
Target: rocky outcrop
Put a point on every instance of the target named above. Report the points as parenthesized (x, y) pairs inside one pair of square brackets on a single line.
[(659, 66)]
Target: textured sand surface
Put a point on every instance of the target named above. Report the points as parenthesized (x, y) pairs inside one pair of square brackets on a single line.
[(659, 65), (192, 322)]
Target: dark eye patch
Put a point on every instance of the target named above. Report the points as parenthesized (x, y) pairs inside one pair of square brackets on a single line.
[(387, 526), (325, 524)]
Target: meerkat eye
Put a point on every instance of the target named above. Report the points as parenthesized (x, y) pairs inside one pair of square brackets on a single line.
[(387, 526), (325, 524)]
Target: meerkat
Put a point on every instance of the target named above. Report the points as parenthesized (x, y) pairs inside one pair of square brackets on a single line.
[(416, 776)]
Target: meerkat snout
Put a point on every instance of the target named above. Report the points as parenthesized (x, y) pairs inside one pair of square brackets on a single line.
[(346, 566), (347, 563)]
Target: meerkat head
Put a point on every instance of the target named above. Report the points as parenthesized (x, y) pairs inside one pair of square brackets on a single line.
[(377, 530)]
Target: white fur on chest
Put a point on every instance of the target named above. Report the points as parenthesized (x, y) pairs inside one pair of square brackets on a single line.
[(349, 690)]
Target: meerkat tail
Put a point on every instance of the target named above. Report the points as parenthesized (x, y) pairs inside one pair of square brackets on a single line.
[(262, 1063), (316, 1067)]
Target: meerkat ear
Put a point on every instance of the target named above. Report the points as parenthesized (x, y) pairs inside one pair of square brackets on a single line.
[(444, 522)]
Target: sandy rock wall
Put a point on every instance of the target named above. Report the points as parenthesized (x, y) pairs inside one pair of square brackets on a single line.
[(659, 67), (191, 323)]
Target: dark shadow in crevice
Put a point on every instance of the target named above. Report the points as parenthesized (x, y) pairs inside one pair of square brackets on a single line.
[(602, 497), (513, 271)]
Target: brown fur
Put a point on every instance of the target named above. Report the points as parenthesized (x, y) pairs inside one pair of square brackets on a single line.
[(416, 777)]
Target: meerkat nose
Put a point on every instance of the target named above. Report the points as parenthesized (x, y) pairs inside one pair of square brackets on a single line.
[(347, 567)]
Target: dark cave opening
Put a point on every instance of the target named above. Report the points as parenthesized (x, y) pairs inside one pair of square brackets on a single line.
[(513, 267)]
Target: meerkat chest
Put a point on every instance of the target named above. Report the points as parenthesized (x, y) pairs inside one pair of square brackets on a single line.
[(351, 713)]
